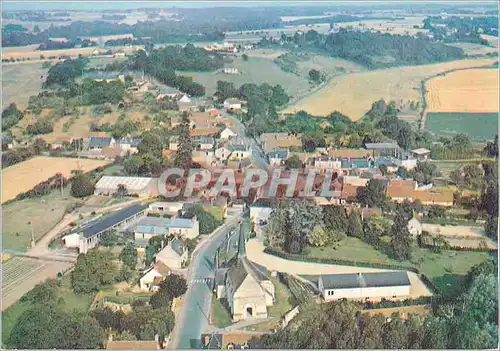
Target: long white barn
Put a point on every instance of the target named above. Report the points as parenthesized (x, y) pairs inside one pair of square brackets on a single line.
[(365, 285)]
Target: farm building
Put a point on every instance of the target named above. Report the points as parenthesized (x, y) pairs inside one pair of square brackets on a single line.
[(162, 208), (142, 186), (364, 285), (89, 236)]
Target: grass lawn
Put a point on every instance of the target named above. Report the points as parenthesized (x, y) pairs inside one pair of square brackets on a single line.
[(444, 269), (282, 300), (71, 300), (478, 126), (44, 212), (220, 316)]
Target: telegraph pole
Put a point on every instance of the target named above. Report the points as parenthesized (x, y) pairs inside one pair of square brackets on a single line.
[(32, 235)]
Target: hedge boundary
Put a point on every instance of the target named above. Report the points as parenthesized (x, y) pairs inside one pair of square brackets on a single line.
[(302, 258)]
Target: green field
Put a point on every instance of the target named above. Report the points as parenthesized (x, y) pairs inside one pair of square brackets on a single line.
[(43, 212), (20, 81), (444, 269), (479, 126), (263, 70)]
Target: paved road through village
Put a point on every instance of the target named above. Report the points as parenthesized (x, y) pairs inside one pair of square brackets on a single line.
[(194, 316)]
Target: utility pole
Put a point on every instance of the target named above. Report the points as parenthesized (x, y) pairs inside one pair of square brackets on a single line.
[(62, 186), (32, 235)]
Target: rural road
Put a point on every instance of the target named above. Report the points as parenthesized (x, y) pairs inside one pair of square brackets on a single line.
[(195, 313), (258, 158)]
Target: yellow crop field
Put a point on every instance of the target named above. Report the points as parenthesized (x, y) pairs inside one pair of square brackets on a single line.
[(24, 176), (472, 90), (353, 94)]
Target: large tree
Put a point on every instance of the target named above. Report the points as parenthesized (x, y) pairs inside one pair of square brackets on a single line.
[(92, 271), (184, 155), (401, 241), (82, 185), (373, 194), (335, 218), (355, 228), (129, 256)]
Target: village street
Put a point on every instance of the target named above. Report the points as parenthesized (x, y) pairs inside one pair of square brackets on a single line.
[(193, 319)]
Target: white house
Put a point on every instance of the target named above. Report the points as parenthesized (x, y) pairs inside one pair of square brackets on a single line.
[(174, 255), (129, 145), (232, 104), (152, 277), (203, 142), (223, 152), (277, 157), (414, 227), (364, 286), (188, 228), (239, 152), (227, 134)]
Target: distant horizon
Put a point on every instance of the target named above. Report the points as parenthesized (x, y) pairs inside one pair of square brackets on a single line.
[(97, 5)]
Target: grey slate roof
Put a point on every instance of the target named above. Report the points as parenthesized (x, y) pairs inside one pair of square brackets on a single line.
[(178, 246), (365, 280), (133, 142), (280, 154), (101, 142), (110, 220), (181, 223)]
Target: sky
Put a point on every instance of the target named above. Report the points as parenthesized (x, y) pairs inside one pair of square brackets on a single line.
[(94, 5)]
